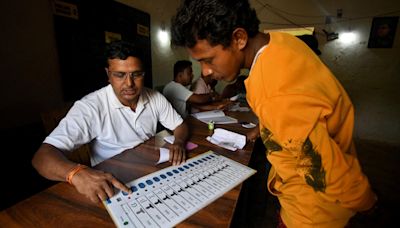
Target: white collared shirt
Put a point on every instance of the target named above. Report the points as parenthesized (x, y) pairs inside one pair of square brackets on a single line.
[(110, 127), (177, 94)]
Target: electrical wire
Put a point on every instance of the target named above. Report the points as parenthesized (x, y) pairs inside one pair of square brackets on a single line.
[(288, 13), (280, 12)]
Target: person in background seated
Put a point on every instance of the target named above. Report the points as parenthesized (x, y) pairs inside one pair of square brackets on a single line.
[(311, 42), (213, 84), (112, 119), (236, 88), (306, 118), (178, 93), (206, 85)]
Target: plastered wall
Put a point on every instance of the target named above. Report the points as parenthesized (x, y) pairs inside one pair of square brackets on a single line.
[(30, 79)]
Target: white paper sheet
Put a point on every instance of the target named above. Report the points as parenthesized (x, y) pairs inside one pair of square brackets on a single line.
[(227, 139), (237, 108), (234, 98), (164, 155), (217, 116)]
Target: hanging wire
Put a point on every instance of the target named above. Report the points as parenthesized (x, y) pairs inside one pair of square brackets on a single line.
[(280, 12), (282, 16), (288, 13)]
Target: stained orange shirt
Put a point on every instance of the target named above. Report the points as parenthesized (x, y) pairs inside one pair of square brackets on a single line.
[(306, 123)]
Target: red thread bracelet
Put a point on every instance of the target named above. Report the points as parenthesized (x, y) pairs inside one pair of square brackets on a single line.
[(75, 170)]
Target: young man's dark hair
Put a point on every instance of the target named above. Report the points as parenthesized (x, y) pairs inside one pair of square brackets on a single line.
[(213, 21), (180, 66)]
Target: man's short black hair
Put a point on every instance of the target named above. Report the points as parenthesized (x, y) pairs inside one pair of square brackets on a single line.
[(213, 20), (180, 66), (121, 50)]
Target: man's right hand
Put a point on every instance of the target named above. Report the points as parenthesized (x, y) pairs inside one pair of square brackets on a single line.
[(96, 185)]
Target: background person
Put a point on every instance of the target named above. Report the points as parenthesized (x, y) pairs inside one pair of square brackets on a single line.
[(179, 94), (236, 88), (206, 85), (312, 42)]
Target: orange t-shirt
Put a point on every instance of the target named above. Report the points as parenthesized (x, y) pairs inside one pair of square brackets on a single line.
[(306, 123)]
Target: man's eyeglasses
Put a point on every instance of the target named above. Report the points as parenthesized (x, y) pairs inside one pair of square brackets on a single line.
[(122, 75)]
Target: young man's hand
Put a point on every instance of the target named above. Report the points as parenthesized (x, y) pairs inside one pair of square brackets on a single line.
[(252, 135)]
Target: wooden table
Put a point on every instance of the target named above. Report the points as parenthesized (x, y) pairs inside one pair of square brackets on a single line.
[(62, 206)]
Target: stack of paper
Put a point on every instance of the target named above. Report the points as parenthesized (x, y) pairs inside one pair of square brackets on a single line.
[(227, 139), (217, 116), (237, 108)]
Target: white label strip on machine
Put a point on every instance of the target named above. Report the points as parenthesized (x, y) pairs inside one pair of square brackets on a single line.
[(169, 196)]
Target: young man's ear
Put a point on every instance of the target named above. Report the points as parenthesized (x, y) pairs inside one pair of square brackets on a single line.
[(239, 38)]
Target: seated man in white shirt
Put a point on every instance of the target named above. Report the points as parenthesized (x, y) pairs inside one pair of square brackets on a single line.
[(178, 93), (112, 119)]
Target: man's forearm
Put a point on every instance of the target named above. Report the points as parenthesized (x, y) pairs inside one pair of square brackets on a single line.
[(51, 163), (181, 133)]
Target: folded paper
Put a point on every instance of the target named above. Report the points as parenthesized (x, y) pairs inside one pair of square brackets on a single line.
[(227, 139)]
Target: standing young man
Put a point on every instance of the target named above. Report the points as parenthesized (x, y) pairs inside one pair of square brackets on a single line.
[(306, 117)]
